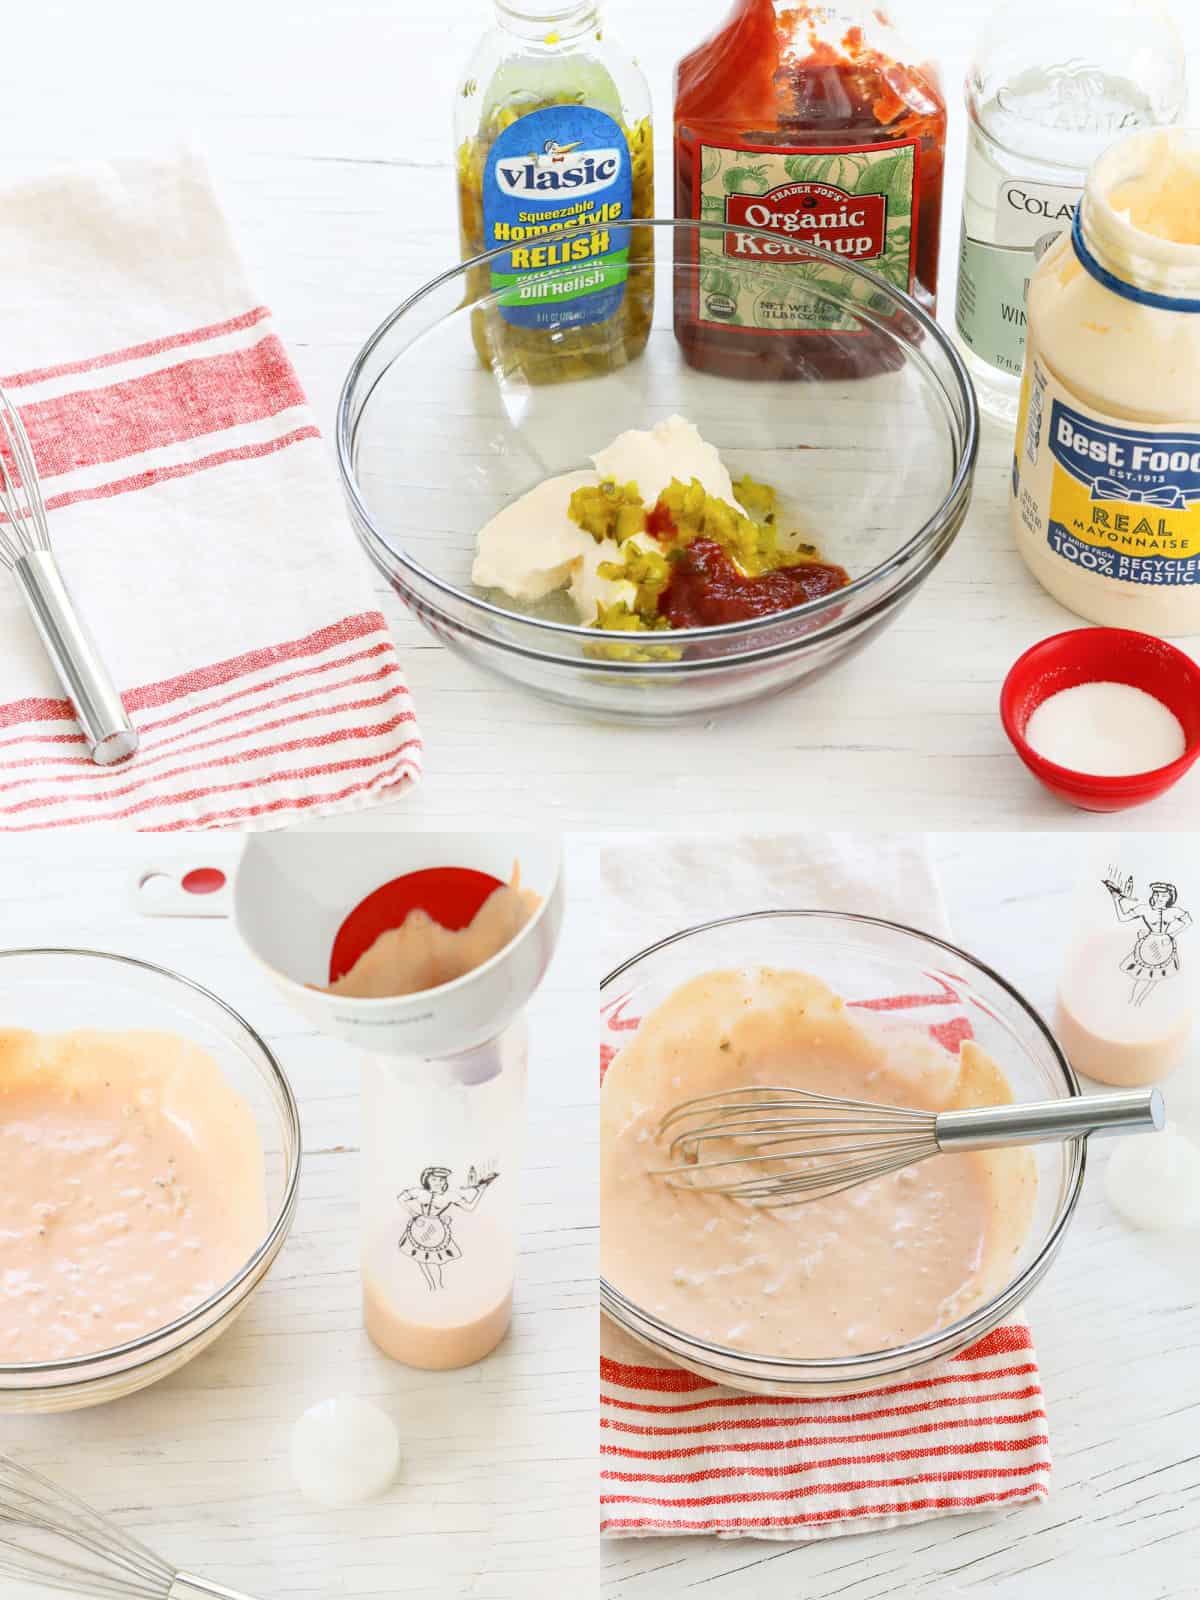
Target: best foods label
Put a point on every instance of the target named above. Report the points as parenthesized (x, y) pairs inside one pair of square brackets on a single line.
[(1119, 501), (564, 167), (855, 203)]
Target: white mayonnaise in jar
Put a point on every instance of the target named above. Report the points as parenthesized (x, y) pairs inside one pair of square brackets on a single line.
[(1106, 463)]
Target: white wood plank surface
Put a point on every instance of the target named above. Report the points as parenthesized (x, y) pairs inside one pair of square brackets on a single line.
[(328, 127), (1116, 1324), (496, 1496)]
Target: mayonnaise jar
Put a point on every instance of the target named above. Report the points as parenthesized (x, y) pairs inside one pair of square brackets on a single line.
[(1106, 464)]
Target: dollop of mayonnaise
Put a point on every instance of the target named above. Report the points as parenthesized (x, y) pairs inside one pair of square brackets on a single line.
[(532, 549), (589, 591), (672, 449), (1164, 198)]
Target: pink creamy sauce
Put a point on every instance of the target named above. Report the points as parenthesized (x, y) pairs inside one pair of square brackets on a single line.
[(865, 1270), (420, 954), (133, 1187), (1117, 1024), (459, 1324)]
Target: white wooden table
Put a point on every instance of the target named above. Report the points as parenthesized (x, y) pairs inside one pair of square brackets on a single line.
[(496, 1497), (1116, 1324), (328, 127)]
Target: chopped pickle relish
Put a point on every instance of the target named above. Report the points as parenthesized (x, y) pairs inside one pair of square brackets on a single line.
[(694, 560)]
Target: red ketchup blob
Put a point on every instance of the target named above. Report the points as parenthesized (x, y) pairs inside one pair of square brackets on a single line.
[(451, 896), (706, 589), (659, 521)]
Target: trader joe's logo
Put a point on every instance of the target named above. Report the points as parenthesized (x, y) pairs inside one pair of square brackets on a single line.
[(781, 226), (853, 225)]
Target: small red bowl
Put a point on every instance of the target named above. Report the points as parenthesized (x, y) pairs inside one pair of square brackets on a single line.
[(1102, 655)]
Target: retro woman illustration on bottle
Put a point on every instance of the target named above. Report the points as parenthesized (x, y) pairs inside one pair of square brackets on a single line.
[(1155, 954), (429, 1236)]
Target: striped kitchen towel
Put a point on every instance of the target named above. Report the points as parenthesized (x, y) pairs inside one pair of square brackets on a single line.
[(197, 520), (682, 1455)]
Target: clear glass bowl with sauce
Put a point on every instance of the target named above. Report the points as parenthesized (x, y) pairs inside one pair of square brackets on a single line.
[(873, 466), (53, 991), (864, 958)]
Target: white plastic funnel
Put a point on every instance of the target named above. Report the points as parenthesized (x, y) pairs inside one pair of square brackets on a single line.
[(294, 890)]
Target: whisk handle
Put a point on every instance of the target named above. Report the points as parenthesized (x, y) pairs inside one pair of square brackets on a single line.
[(186, 1587), (1048, 1121), (110, 735)]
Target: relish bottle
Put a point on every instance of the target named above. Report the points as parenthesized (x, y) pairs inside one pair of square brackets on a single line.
[(816, 123), (553, 131)]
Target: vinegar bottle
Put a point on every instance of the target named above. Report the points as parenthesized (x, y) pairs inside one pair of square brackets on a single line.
[(819, 119), (1049, 89)]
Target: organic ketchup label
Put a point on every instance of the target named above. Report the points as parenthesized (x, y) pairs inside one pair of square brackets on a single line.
[(855, 202), (818, 213)]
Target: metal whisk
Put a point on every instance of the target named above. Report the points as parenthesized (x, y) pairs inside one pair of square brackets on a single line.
[(48, 1536), (794, 1146), (26, 551)]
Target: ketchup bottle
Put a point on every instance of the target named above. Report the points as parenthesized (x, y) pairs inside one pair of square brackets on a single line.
[(808, 121)]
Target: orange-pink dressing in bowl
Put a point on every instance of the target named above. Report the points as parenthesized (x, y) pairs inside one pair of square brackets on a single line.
[(132, 1187), (866, 1270)]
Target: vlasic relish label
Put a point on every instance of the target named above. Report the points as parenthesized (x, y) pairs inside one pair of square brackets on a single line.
[(855, 202), (561, 167)]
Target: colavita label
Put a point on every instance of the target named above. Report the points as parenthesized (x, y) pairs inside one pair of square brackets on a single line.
[(1024, 218), (856, 203)]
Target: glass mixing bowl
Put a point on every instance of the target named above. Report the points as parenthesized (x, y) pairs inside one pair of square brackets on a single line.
[(56, 990), (863, 958), (874, 469)]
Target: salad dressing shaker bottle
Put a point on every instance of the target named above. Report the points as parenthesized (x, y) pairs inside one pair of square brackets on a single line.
[(442, 1070), (1127, 994), (1049, 89), (553, 133), (441, 1158), (818, 123)]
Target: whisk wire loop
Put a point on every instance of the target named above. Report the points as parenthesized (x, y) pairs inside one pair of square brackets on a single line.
[(26, 528), (789, 1145), (25, 550), (51, 1537), (782, 1146), (793, 1188)]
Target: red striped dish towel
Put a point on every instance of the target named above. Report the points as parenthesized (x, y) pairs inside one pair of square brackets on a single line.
[(197, 519), (681, 1455)]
